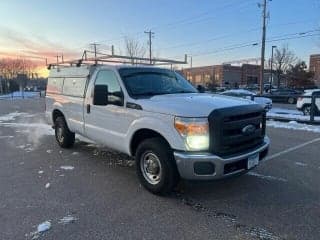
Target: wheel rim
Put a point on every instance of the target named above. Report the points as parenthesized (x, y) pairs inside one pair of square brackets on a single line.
[(59, 134), (150, 166), (307, 110), (291, 100)]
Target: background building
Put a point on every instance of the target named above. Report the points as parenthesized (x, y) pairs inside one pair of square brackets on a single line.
[(226, 75), (314, 66)]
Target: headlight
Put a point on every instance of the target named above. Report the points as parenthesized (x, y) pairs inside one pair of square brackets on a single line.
[(195, 132)]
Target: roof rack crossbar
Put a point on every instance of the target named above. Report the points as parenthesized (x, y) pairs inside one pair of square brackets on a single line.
[(113, 58)]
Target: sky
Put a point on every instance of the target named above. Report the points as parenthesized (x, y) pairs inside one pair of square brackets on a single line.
[(212, 31)]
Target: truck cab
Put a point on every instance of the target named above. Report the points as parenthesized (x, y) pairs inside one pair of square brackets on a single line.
[(156, 116)]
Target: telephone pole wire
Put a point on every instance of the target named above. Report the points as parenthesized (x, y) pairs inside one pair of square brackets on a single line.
[(151, 34), (263, 43)]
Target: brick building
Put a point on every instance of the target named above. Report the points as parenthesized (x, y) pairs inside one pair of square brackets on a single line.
[(314, 66), (225, 75)]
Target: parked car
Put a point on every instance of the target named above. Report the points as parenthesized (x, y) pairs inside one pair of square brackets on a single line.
[(304, 102), (284, 95), (266, 103), (156, 116)]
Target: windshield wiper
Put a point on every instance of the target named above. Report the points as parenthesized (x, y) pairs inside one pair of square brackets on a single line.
[(149, 93), (182, 91)]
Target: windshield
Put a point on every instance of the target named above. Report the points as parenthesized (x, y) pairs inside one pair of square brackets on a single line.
[(154, 81)]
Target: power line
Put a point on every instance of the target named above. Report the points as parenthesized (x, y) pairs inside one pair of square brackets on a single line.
[(253, 43), (189, 20)]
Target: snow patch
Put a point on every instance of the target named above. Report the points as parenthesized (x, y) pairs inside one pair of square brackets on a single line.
[(11, 116), (294, 126), (3, 137), (67, 219), (45, 226), (40, 172), (20, 95), (42, 227), (75, 153), (49, 151), (272, 178), (67, 167), (47, 185), (301, 164), (289, 114), (263, 234)]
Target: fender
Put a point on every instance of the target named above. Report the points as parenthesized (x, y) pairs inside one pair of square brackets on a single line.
[(163, 126)]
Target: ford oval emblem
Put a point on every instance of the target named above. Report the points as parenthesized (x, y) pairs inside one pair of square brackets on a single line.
[(248, 130)]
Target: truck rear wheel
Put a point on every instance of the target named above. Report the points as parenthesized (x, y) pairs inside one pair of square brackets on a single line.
[(155, 166), (64, 136)]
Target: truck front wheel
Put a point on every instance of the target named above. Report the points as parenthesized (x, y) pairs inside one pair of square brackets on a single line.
[(64, 136), (155, 165)]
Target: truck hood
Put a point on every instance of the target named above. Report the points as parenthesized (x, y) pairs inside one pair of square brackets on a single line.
[(189, 105)]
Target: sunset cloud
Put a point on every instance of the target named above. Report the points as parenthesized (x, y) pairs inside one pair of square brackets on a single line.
[(16, 44)]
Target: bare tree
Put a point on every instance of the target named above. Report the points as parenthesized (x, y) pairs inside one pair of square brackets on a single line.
[(11, 68), (282, 60), (134, 49)]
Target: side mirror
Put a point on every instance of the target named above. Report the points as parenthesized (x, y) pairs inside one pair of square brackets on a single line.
[(100, 95)]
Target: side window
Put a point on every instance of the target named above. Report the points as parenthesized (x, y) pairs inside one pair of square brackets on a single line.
[(108, 78)]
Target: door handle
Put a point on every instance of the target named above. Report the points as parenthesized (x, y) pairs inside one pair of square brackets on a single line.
[(88, 108)]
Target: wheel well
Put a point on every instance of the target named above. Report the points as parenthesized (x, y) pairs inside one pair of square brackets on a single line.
[(55, 114), (141, 135)]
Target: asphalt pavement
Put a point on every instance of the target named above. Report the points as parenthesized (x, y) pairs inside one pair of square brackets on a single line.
[(90, 192)]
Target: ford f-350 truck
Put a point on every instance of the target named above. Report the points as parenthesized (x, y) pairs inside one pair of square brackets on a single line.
[(159, 118)]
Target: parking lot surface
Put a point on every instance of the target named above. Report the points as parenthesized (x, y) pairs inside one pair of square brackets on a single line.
[(90, 192)]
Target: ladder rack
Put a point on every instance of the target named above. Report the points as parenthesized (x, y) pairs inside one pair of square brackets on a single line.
[(101, 58)]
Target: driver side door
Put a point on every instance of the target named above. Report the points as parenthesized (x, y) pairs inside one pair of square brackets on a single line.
[(105, 119)]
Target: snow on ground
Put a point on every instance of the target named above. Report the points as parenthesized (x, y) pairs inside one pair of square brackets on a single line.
[(11, 116), (301, 164), (272, 178), (47, 185), (3, 137), (32, 126), (67, 219), (294, 126), (42, 227), (45, 226), (67, 167), (288, 113), (20, 95)]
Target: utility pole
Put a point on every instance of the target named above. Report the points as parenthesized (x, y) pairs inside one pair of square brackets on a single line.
[(95, 51), (190, 61), (151, 34), (271, 80), (263, 43)]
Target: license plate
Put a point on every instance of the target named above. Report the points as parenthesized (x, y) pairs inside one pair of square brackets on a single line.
[(253, 161)]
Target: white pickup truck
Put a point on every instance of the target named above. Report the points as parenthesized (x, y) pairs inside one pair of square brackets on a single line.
[(158, 117)]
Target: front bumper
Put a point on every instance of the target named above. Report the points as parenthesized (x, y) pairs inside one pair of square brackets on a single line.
[(221, 167)]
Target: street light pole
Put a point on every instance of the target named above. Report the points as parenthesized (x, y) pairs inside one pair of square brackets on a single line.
[(271, 79)]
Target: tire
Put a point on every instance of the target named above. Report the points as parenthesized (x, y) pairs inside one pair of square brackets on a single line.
[(291, 100), (306, 110), (155, 166), (64, 136)]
